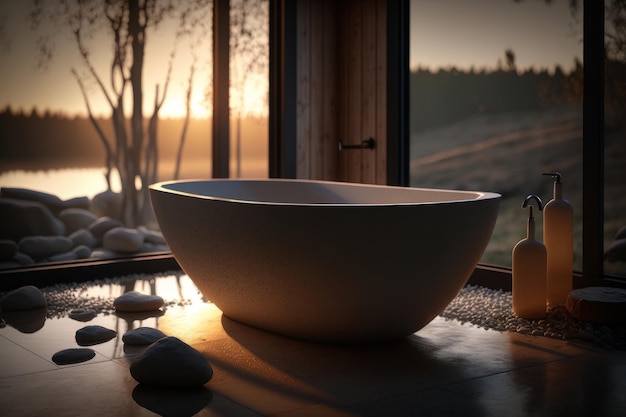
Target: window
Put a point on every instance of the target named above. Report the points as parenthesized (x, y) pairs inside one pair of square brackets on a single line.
[(614, 143), (56, 119), (495, 103)]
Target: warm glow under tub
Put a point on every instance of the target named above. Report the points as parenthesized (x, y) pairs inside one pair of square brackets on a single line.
[(325, 261)]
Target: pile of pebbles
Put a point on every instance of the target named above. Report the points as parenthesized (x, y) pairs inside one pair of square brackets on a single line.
[(38, 227), (493, 309), (67, 297), (478, 306), (162, 361)]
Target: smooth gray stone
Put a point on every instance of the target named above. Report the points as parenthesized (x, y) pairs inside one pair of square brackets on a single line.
[(103, 225), (102, 253), (63, 257), (107, 203), (44, 246), (82, 251), (73, 355), (173, 363), (9, 264), (8, 249), (23, 259), (142, 336), (79, 252), (54, 203), (75, 219), (83, 237), (93, 335), (27, 297), (152, 236), (123, 239), (133, 301), (153, 247), (49, 200), (82, 314), (27, 218), (78, 203)]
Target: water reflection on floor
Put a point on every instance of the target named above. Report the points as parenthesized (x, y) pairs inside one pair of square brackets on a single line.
[(447, 368)]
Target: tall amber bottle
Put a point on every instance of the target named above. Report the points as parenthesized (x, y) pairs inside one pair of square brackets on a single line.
[(558, 236), (529, 271)]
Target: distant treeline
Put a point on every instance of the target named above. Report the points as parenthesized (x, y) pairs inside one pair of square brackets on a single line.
[(448, 95), (48, 141), (32, 140)]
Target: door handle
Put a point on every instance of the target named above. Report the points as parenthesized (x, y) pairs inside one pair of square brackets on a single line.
[(366, 144)]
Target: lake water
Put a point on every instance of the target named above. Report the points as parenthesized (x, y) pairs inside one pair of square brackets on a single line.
[(64, 183)]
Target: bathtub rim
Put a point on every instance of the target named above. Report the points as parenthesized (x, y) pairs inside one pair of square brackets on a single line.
[(165, 187)]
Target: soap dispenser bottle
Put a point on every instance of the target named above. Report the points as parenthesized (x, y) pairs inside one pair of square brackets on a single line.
[(558, 236), (529, 271)]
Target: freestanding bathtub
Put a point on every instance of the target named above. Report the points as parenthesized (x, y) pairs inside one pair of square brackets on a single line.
[(325, 261)]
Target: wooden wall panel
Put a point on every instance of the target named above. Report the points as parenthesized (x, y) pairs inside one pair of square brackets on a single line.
[(353, 89), (381, 93), (369, 89), (329, 132), (303, 62)]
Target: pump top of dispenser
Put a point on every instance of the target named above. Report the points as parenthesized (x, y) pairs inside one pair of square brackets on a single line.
[(558, 189), (530, 228), (556, 176), (528, 200)]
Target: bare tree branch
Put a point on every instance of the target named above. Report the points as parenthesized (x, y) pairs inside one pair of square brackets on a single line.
[(99, 131)]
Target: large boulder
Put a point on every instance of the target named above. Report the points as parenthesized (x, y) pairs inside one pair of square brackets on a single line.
[(27, 297), (20, 218), (54, 203)]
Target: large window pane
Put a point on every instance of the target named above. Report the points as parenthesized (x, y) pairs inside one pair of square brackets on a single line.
[(249, 66), (58, 130), (496, 102), (614, 139)]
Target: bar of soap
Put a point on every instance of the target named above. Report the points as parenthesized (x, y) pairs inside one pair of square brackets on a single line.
[(601, 305)]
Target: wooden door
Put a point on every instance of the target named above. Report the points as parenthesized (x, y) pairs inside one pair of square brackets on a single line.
[(341, 90)]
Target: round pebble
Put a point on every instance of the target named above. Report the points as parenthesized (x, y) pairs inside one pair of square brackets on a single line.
[(73, 355), (8, 249), (44, 246), (76, 218), (83, 237), (93, 335), (142, 336), (82, 314), (123, 239), (24, 298), (133, 301), (99, 227), (173, 363)]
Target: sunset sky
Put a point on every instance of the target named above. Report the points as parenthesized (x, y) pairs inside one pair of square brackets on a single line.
[(443, 33)]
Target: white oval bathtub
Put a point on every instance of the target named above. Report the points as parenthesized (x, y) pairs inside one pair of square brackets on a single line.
[(325, 261)]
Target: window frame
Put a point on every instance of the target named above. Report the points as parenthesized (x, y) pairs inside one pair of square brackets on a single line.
[(282, 160)]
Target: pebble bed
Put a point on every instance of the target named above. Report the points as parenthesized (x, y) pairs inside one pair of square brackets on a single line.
[(63, 298), (478, 306), (493, 310)]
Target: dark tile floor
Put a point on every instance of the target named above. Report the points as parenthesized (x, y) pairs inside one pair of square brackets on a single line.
[(446, 368)]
